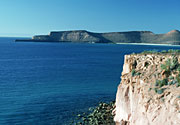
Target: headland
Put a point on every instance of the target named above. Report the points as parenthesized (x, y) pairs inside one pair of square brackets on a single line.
[(83, 36)]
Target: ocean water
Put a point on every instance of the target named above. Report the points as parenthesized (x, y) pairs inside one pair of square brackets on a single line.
[(50, 83)]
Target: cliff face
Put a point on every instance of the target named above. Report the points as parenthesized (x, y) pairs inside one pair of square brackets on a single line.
[(149, 92), (172, 37), (71, 36)]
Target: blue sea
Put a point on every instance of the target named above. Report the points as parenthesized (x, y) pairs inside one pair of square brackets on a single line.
[(50, 83)]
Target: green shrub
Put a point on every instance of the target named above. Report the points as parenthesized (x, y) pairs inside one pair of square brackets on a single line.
[(170, 51), (170, 83), (173, 51), (171, 77), (166, 66), (149, 89), (134, 64), (164, 82), (177, 84), (161, 83), (149, 52), (157, 82), (155, 89), (160, 91), (178, 81), (164, 51), (170, 65), (174, 63), (133, 72), (138, 73), (178, 68), (174, 82), (177, 50)]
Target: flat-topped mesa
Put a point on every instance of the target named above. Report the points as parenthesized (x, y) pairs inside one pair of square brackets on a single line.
[(54, 33), (172, 37), (70, 36), (75, 36), (149, 92)]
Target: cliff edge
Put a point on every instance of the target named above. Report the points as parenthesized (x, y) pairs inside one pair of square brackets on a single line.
[(149, 92)]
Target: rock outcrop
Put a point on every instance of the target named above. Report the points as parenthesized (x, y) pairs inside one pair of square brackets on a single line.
[(172, 37), (149, 92)]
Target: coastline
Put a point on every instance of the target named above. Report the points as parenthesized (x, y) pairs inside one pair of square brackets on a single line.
[(101, 114), (151, 44), (148, 44)]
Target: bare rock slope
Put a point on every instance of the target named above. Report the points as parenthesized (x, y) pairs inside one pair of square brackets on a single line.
[(149, 92)]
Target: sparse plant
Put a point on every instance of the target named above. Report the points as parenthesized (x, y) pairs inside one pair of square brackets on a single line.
[(159, 91), (162, 99), (178, 69), (166, 67), (149, 52), (134, 64), (177, 84), (170, 51), (173, 51), (133, 72), (178, 81), (149, 89), (161, 83), (171, 77), (174, 82), (164, 51), (174, 63), (164, 82), (155, 89), (170, 65), (177, 50), (157, 82), (138, 73)]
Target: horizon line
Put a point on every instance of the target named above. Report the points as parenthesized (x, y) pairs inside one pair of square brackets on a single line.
[(31, 35)]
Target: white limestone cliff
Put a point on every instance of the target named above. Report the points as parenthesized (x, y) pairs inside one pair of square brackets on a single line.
[(137, 101)]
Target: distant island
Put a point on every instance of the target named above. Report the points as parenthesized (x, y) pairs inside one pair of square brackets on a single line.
[(83, 36)]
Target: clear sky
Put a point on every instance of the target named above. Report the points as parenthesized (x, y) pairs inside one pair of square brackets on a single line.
[(34, 17)]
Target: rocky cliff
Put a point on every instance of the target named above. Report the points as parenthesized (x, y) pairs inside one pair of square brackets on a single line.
[(172, 37), (149, 92)]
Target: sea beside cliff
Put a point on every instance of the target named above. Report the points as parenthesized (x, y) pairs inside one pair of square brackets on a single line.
[(50, 83)]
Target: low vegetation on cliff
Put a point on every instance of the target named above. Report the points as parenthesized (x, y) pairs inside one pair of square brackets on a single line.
[(149, 91), (170, 70)]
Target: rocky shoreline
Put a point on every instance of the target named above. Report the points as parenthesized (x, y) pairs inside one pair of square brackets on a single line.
[(100, 115)]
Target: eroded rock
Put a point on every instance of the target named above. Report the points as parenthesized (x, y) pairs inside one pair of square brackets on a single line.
[(139, 101)]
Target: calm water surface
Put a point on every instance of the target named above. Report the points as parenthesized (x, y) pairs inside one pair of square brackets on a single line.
[(49, 83)]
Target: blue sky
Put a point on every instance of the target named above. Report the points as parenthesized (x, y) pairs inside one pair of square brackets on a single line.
[(31, 17)]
